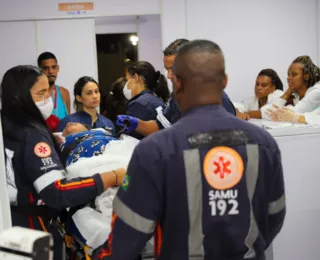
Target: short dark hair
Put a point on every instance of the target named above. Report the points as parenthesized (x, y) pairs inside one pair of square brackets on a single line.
[(200, 61), (273, 76), (46, 56), (172, 48)]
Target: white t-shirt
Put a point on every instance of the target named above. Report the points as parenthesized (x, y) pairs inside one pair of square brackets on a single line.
[(252, 103), (313, 118)]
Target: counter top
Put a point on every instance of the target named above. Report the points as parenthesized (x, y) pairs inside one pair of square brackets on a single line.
[(278, 129)]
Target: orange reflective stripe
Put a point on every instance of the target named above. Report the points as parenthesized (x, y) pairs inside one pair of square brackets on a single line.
[(74, 185), (108, 250), (42, 224), (157, 240)]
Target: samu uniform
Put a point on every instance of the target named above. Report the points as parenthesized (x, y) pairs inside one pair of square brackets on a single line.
[(35, 178), (171, 113), (209, 187)]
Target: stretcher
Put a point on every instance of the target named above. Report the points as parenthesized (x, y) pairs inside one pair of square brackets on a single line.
[(87, 227), (77, 250)]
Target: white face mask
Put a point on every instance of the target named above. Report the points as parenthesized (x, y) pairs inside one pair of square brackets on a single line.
[(45, 107), (127, 92)]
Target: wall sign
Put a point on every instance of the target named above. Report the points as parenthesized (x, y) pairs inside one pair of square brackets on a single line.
[(76, 8)]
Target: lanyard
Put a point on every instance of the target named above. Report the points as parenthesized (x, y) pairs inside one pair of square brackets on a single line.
[(55, 101)]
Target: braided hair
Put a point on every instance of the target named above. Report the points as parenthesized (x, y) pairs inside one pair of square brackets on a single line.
[(309, 68)]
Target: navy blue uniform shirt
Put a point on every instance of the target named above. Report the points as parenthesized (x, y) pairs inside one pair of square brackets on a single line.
[(143, 106), (209, 187), (172, 113), (36, 177), (84, 118)]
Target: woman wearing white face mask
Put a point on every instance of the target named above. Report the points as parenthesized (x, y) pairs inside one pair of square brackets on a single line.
[(36, 181), (46, 106), (146, 90)]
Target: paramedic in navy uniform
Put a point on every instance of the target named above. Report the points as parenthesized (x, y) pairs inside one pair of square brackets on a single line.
[(171, 113), (209, 187), (86, 100), (37, 187)]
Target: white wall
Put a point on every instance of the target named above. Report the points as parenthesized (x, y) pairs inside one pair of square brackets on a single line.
[(35, 9), (173, 20), (150, 42), (115, 24), (18, 45), (255, 35), (73, 42)]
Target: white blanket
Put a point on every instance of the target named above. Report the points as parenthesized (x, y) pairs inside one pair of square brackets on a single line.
[(94, 226)]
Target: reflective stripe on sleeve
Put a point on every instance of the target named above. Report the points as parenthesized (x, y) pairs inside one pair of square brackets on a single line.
[(161, 118), (277, 206), (48, 178), (251, 179), (193, 173), (133, 219)]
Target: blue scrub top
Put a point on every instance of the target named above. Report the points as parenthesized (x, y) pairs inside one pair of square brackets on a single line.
[(143, 106)]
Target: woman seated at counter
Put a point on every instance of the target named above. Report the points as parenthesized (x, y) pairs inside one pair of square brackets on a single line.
[(268, 87), (303, 81), (87, 99)]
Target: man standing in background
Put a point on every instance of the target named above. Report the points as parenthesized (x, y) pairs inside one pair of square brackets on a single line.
[(48, 62), (171, 113)]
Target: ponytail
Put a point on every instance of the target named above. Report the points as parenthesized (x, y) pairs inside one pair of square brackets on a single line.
[(161, 88), (153, 80)]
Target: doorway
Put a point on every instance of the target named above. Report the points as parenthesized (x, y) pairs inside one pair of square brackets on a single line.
[(113, 52)]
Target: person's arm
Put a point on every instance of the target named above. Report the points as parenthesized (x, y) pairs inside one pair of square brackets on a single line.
[(255, 114), (282, 100), (146, 128), (309, 103), (44, 168), (286, 95), (66, 98), (137, 207), (141, 113), (241, 115)]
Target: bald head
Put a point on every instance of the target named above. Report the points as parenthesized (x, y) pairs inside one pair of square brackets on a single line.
[(200, 62), (199, 72)]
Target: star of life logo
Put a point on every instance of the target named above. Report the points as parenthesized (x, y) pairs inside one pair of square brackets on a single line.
[(223, 168), (42, 150)]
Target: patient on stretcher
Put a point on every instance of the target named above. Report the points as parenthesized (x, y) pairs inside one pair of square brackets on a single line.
[(87, 152), (81, 142)]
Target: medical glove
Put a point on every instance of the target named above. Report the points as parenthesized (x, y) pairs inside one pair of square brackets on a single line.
[(133, 123), (284, 114)]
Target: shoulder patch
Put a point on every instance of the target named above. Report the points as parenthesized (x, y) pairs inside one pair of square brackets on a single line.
[(223, 168), (42, 150), (125, 183)]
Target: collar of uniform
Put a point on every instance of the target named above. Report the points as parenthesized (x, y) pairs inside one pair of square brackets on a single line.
[(212, 108), (84, 113), (140, 94)]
